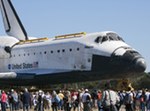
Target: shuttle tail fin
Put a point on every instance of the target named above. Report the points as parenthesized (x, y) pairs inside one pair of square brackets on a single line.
[(12, 23)]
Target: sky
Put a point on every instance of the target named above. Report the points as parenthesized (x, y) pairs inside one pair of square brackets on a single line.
[(48, 18)]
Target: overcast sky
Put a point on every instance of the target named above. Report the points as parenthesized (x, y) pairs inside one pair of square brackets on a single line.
[(48, 18)]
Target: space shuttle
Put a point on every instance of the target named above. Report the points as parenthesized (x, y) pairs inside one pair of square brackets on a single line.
[(67, 58)]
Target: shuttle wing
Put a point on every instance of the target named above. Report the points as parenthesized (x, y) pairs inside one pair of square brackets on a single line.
[(8, 75), (35, 77), (12, 23), (30, 74)]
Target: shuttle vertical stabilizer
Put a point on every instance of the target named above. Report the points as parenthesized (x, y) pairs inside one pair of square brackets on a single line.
[(12, 23)]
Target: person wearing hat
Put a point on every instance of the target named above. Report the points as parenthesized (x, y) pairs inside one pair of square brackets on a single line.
[(109, 98), (86, 99)]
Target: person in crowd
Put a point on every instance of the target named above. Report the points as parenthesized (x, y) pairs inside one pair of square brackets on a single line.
[(26, 99), (99, 100), (94, 98), (78, 100), (10, 99), (147, 93), (109, 98), (143, 101), (61, 96), (3, 101), (122, 97), (137, 100), (67, 101), (86, 99), (0, 99), (55, 101), (20, 105), (40, 101), (80, 106), (48, 100), (74, 99), (35, 100), (15, 100), (129, 100)]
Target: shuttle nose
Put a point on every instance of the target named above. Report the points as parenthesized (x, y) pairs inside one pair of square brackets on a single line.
[(140, 65), (132, 60)]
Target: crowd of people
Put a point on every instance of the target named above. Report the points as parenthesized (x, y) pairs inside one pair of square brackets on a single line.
[(76, 100)]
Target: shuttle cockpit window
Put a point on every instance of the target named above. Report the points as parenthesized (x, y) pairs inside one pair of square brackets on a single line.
[(104, 39), (108, 37), (114, 36), (101, 39), (119, 38), (98, 39)]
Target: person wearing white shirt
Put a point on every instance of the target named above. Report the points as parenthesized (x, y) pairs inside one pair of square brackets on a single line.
[(109, 99), (86, 99)]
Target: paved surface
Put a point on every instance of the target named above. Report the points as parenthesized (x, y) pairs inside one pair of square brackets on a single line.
[(122, 108), (94, 109)]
